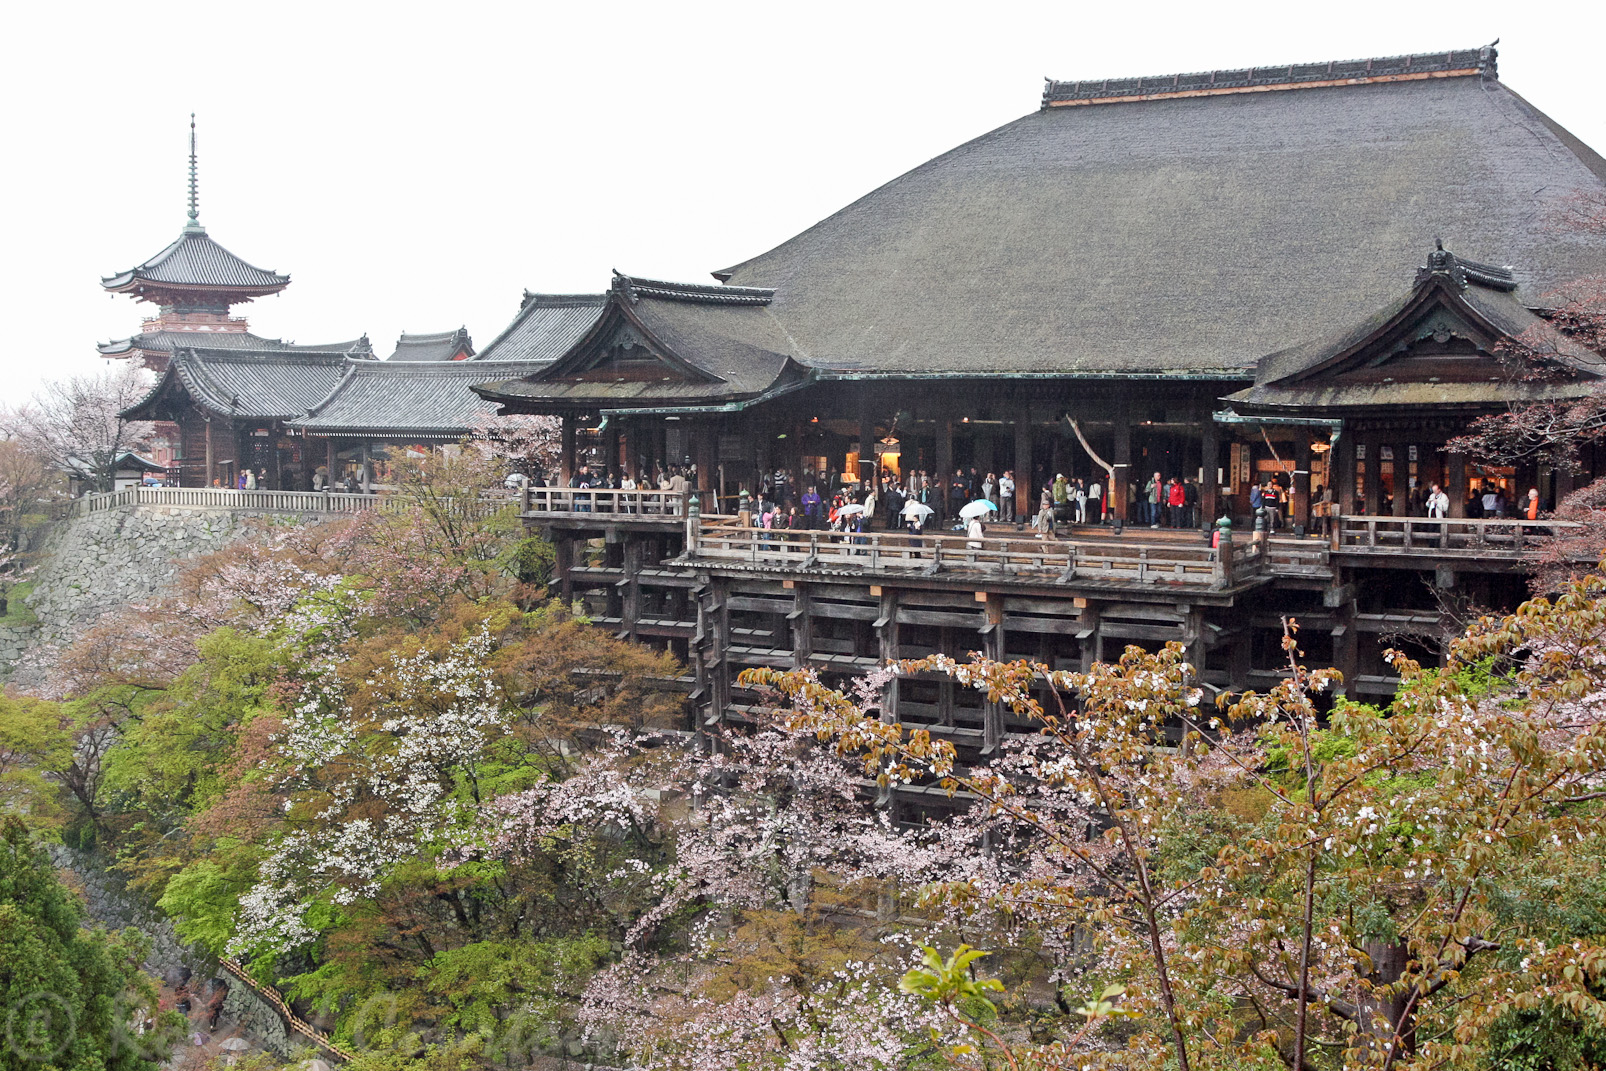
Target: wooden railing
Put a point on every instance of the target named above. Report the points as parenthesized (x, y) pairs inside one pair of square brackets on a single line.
[(724, 540), (1430, 535), (220, 498), (294, 1022), (604, 500)]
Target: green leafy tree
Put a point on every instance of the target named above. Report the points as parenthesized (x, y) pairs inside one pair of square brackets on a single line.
[(70, 997)]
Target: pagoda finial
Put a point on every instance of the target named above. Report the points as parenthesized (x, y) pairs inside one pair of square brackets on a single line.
[(194, 224)]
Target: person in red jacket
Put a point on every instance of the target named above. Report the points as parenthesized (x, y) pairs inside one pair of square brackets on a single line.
[(1176, 496)]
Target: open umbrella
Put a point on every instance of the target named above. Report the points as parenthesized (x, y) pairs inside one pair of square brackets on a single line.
[(917, 509), (849, 510), (979, 508)]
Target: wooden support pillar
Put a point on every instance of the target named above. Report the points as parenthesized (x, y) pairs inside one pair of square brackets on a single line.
[(562, 561), (706, 454), (1341, 471), (887, 639), (630, 608), (1372, 496), (1087, 635), (1240, 650), (945, 467), (367, 474), (992, 645), (610, 448), (566, 465), (802, 622), (1301, 477), (1456, 467), (328, 464), (1122, 463), (1401, 467), (867, 460), (1210, 461), (1024, 491), (211, 474)]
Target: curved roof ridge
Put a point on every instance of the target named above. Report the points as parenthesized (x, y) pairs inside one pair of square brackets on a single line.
[(633, 287), (1467, 61), (195, 260)]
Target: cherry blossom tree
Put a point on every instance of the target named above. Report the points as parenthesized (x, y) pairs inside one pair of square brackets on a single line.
[(76, 425)]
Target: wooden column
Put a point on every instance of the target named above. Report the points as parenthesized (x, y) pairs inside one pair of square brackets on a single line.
[(566, 464), (886, 628), (706, 454), (367, 476), (867, 462), (211, 473), (802, 626), (1373, 494), (1456, 466), (1210, 486), (1122, 463), (1301, 477), (1341, 472), (329, 464), (945, 466), (610, 447), (1402, 479), (1024, 491), (1564, 485)]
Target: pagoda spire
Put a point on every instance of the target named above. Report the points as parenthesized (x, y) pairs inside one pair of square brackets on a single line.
[(194, 224)]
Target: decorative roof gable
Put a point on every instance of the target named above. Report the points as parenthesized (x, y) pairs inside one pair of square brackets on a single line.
[(1443, 342)]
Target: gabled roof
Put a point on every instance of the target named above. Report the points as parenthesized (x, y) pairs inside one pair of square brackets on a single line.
[(245, 384), (168, 341), (1467, 311), (196, 263), (413, 399), (545, 327), (1184, 236), (695, 345), (442, 346)]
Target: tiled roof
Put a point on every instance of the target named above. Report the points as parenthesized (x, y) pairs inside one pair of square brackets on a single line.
[(1300, 376), (441, 346), (545, 327), (262, 384), (1183, 236), (1284, 76), (723, 350), (196, 261), (385, 398), (695, 293), (168, 341)]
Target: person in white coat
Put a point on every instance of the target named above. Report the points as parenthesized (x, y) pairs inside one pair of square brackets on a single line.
[(1438, 502)]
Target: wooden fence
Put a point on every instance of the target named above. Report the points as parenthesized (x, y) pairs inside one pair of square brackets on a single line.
[(1482, 535), (292, 1021), (604, 500), (220, 498), (723, 540)]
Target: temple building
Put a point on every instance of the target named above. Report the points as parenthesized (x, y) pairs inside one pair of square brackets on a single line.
[(441, 346), (1310, 274)]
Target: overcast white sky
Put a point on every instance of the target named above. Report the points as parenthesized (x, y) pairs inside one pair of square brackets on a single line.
[(415, 167)]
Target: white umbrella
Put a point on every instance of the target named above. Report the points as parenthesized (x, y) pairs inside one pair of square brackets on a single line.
[(978, 508), (917, 509), (850, 509)]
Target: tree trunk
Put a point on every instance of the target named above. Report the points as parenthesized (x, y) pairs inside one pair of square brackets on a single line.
[(1380, 1011)]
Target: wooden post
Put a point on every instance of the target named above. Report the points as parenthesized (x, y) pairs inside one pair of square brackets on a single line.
[(367, 477), (802, 627), (887, 641), (867, 462), (1301, 479), (1341, 470), (566, 464), (1372, 496), (1210, 486), (1024, 491), (1121, 462), (1402, 480), (1456, 466), (945, 466), (329, 464), (210, 473)]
